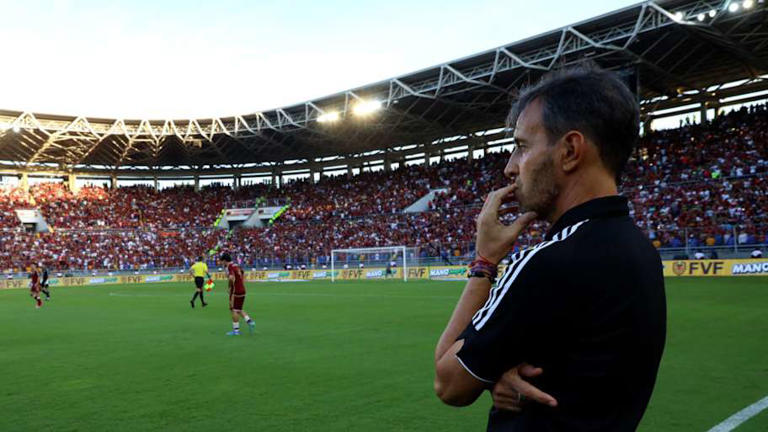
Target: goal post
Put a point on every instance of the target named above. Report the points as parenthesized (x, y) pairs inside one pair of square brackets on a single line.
[(379, 256)]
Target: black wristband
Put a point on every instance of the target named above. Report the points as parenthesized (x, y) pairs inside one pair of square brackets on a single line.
[(479, 274)]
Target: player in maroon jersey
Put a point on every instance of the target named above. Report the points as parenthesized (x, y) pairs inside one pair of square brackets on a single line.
[(34, 286), (236, 295)]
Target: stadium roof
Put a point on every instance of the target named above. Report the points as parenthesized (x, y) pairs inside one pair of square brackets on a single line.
[(677, 52)]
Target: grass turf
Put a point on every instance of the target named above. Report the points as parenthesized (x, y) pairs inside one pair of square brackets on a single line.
[(326, 357)]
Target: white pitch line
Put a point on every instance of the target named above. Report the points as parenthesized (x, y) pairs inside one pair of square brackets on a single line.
[(740, 417), (263, 294)]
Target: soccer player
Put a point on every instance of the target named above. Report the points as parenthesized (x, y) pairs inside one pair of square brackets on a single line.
[(199, 271), (34, 286), (236, 295), (44, 287)]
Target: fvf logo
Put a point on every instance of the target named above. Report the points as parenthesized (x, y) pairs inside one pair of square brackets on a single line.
[(698, 268)]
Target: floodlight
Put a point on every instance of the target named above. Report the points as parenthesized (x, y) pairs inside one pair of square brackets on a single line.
[(16, 128), (328, 117), (747, 4), (712, 13), (678, 16), (700, 17), (364, 107), (733, 7)]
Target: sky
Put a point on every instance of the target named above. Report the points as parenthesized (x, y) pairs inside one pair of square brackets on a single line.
[(189, 59)]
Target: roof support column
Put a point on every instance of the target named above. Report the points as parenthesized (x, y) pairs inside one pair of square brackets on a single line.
[(72, 183), (197, 182), (113, 181), (647, 125), (238, 181), (24, 182)]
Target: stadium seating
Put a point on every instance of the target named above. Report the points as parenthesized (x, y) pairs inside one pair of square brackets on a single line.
[(701, 185)]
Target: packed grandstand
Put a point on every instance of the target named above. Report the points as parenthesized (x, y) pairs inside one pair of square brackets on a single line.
[(699, 187), (693, 187)]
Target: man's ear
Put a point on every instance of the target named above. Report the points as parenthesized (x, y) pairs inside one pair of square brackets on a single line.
[(573, 150)]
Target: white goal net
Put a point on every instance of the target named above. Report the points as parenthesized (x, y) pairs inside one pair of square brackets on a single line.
[(375, 263)]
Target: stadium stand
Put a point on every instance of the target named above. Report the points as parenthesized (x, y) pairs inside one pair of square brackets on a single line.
[(695, 186)]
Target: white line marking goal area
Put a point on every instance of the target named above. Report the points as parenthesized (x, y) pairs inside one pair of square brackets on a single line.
[(740, 417)]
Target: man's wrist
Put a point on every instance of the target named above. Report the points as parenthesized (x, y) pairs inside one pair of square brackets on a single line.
[(482, 257), (483, 268)]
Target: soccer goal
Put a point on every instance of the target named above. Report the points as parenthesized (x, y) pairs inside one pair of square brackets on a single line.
[(373, 261)]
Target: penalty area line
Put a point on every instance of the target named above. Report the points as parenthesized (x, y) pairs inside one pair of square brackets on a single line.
[(740, 417)]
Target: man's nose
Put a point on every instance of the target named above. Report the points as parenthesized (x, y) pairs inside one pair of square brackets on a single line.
[(511, 170)]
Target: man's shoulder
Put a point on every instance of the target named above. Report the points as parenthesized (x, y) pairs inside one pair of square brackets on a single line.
[(549, 259)]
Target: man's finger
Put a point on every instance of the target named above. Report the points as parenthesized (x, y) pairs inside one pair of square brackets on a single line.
[(495, 199), (519, 224), (507, 404), (531, 392), (529, 371), (507, 210), (504, 391), (510, 408)]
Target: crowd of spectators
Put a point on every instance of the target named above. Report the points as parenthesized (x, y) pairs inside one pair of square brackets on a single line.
[(699, 185), (109, 249)]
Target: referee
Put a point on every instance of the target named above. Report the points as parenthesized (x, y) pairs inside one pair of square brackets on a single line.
[(199, 270), (571, 335)]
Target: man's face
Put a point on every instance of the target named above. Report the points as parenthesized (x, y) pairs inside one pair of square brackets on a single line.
[(531, 166)]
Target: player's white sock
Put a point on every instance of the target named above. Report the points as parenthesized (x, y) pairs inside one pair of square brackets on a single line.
[(247, 318), (236, 325)]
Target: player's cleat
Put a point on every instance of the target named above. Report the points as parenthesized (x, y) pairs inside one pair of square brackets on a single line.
[(192, 303), (205, 304), (234, 333), (251, 326)]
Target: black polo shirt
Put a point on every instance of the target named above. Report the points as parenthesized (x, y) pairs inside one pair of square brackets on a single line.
[(588, 306)]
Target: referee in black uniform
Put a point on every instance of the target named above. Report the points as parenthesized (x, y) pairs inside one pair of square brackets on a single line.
[(44, 286), (570, 337)]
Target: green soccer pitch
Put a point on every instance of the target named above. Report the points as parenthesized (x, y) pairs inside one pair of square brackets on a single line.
[(349, 356)]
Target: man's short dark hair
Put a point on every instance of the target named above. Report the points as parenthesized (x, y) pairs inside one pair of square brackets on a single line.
[(226, 257), (592, 101)]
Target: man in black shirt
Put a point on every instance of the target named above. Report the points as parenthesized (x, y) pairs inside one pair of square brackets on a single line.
[(44, 287), (587, 305)]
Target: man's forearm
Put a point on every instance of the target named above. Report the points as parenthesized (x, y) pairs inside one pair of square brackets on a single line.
[(472, 299)]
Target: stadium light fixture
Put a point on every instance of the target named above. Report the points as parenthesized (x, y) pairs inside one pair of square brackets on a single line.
[(712, 13), (367, 107), (733, 7), (700, 17), (747, 4), (16, 128), (328, 117), (678, 16)]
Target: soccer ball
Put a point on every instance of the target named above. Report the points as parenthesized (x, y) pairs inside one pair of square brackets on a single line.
[(209, 285)]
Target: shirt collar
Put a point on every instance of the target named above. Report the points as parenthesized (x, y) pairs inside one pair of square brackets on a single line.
[(610, 206)]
